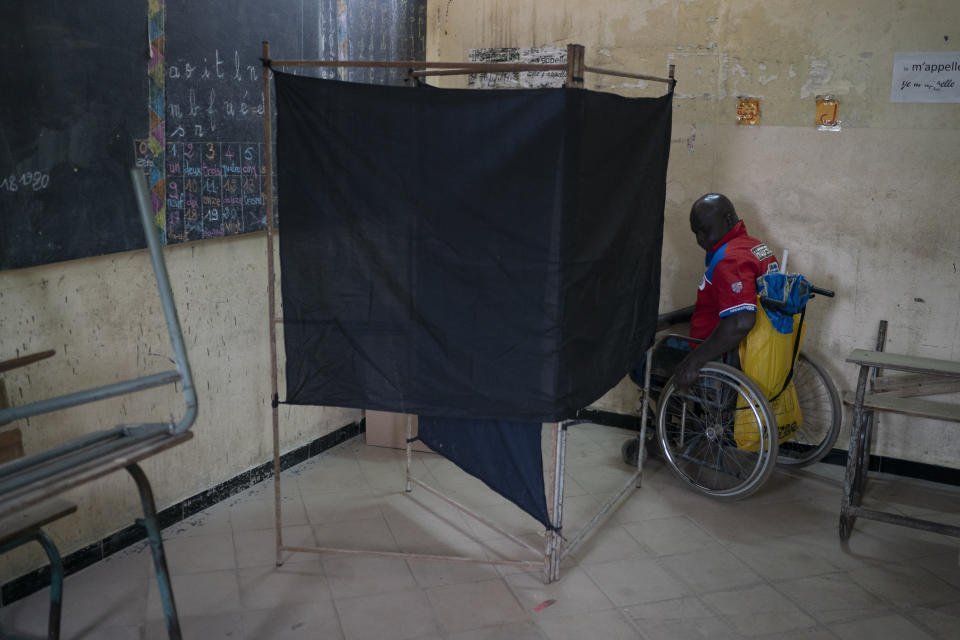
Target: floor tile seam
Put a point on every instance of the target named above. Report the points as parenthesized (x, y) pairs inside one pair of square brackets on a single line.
[(865, 615), (337, 602), (909, 615), (596, 585), (396, 542), (270, 527), (760, 580), (620, 611), (834, 568), (245, 632), (311, 523), (463, 518), (715, 613), (338, 613), (729, 619), (809, 612), (502, 579), (908, 563)]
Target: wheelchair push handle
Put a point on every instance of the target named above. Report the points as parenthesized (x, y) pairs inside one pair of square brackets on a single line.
[(822, 292), (780, 305)]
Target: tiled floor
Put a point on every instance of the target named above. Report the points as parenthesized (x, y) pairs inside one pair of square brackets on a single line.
[(667, 564)]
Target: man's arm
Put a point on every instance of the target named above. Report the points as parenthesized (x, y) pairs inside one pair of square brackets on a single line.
[(728, 335), (670, 318)]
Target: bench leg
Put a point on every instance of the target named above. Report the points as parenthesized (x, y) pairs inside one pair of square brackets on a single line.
[(149, 521), (56, 577), (855, 475), (56, 584)]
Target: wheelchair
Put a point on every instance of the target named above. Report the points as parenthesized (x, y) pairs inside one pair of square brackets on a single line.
[(721, 436)]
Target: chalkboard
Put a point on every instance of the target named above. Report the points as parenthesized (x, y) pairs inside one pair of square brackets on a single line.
[(74, 86), (214, 156), (175, 87)]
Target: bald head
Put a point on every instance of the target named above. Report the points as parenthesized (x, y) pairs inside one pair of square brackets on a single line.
[(712, 216)]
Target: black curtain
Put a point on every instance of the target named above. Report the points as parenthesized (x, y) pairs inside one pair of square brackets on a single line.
[(491, 255)]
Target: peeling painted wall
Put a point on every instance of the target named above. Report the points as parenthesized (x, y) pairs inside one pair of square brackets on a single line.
[(869, 211), (103, 317)]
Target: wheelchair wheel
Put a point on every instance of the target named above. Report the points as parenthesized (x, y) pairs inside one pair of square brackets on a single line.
[(822, 415), (721, 437)]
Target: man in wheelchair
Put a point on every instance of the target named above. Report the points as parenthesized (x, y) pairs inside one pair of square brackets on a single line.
[(722, 423), (725, 310), (726, 300)]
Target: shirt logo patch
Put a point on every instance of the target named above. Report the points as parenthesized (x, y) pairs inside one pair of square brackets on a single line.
[(761, 251), (737, 287)]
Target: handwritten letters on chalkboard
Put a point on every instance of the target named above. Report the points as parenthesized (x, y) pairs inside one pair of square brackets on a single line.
[(216, 93)]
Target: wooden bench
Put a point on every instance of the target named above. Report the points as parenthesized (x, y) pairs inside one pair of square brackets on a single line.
[(898, 394)]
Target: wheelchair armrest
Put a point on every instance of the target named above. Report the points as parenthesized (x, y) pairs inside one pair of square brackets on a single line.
[(670, 318)]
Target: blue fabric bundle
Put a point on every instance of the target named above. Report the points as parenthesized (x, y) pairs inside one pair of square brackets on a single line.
[(783, 295)]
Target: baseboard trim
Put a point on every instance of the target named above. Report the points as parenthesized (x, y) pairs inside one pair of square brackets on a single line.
[(80, 559), (882, 464)]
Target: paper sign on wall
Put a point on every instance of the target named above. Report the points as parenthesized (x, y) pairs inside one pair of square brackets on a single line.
[(926, 77), (522, 79)]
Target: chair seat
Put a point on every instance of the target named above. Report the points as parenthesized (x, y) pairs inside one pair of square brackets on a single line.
[(38, 478)]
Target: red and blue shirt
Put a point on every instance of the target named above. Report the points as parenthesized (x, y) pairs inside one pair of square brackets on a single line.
[(729, 284)]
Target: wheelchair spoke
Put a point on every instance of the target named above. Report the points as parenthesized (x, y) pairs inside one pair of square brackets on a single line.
[(699, 433), (821, 415)]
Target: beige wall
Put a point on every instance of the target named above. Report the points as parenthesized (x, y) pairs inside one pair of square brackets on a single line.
[(870, 211), (103, 317)]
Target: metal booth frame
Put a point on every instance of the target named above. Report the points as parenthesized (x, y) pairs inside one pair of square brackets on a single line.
[(556, 548)]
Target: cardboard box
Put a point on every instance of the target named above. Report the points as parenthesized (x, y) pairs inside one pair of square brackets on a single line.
[(387, 429)]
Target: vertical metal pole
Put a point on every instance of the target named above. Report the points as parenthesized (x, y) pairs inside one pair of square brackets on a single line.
[(644, 407), (551, 509), (671, 75), (56, 583), (166, 299), (870, 417), (271, 294), (409, 450), (575, 64), (558, 501), (854, 457), (149, 522)]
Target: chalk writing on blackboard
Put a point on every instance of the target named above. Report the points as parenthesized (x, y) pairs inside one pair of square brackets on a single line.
[(214, 189), (27, 181), (205, 96)]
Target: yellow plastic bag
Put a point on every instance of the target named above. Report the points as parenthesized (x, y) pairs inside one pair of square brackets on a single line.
[(767, 356)]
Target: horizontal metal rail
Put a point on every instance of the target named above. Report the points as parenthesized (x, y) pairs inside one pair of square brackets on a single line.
[(467, 67), (72, 455), (904, 521), (581, 535), (421, 67), (90, 395), (533, 564), (625, 74), (477, 517)]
